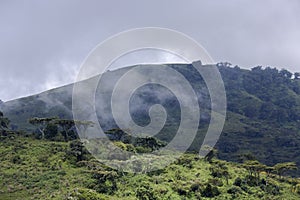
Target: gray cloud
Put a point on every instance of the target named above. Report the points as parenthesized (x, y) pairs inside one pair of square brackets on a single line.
[(43, 43)]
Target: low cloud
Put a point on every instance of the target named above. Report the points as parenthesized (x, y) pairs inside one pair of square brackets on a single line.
[(42, 44)]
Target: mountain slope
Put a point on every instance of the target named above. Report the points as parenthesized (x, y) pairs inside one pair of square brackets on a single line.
[(263, 110), (41, 169)]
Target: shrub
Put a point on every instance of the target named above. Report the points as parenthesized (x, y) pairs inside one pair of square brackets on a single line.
[(140, 149), (16, 159), (195, 187), (106, 181), (216, 182), (77, 152), (271, 189), (86, 194), (234, 190), (238, 182), (145, 192), (210, 191)]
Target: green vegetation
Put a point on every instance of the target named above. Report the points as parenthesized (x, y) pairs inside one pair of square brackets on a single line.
[(42, 168), (262, 119), (56, 129), (42, 158)]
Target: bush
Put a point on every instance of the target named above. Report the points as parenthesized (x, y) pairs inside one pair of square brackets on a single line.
[(195, 187), (130, 148), (77, 152), (271, 189), (16, 159), (106, 181), (238, 182), (140, 149), (216, 182), (210, 191), (234, 190), (86, 194), (145, 192), (182, 191), (252, 181)]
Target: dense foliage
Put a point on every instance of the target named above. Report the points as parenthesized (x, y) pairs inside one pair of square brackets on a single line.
[(264, 114), (43, 169)]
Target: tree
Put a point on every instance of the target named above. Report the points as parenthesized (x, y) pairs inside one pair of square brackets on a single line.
[(269, 170), (286, 73), (281, 168), (257, 68), (77, 150), (254, 168), (224, 64), (67, 127), (297, 75), (4, 122), (83, 127), (220, 170), (211, 154), (51, 131), (41, 123), (246, 156)]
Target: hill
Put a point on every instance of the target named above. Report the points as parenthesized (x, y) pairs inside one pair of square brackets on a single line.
[(43, 169), (262, 119)]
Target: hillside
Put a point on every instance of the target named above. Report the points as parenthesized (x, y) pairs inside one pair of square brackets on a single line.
[(262, 119), (43, 169)]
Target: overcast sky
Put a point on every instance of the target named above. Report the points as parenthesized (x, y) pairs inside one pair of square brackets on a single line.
[(43, 43)]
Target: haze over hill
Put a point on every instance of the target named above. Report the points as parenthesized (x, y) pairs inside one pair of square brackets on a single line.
[(262, 119)]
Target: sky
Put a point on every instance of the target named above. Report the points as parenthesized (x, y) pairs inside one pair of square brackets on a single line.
[(43, 43)]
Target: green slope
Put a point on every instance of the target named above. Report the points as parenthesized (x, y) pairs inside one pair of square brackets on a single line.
[(263, 111), (36, 169)]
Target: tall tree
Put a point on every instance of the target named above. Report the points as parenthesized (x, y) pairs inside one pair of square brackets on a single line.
[(281, 168), (4, 122), (41, 123), (51, 131), (254, 167), (68, 128), (83, 126)]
